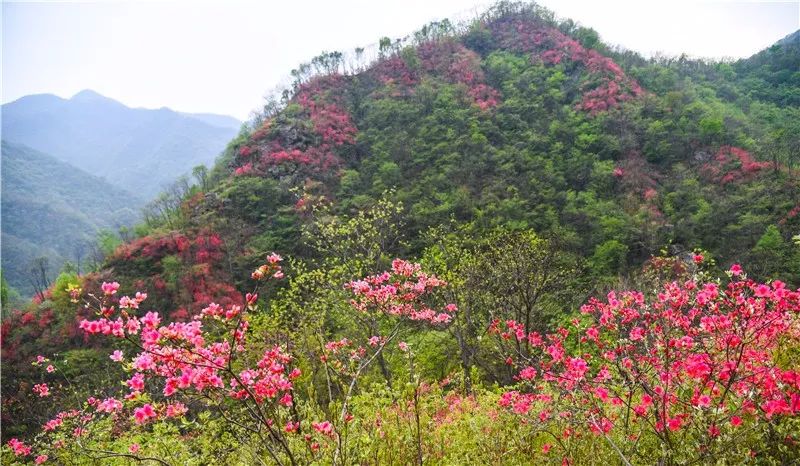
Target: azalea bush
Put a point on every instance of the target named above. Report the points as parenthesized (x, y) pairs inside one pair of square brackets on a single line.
[(203, 362), (692, 375)]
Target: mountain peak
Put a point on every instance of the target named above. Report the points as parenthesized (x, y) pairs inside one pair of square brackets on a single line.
[(88, 94)]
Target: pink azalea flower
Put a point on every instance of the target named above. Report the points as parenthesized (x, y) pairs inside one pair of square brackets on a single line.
[(674, 424), (324, 428), (176, 409), (109, 288), (144, 413), (41, 389)]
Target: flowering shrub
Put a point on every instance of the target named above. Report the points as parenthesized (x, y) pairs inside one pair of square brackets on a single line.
[(794, 212), (393, 72), (383, 303), (398, 293), (733, 164), (152, 247), (203, 359), (207, 362), (692, 374), (204, 247), (635, 175), (687, 371)]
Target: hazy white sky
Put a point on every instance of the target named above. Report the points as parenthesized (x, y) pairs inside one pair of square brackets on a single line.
[(223, 56)]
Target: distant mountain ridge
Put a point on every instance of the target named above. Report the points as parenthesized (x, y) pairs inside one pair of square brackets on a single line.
[(47, 211), (141, 150), (222, 121)]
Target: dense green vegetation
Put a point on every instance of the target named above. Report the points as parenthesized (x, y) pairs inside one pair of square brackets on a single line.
[(53, 210), (519, 159)]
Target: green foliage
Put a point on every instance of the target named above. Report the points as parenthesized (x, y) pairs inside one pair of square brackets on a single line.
[(533, 281), (108, 241), (608, 258), (368, 238), (65, 281), (61, 219), (9, 296), (770, 241)]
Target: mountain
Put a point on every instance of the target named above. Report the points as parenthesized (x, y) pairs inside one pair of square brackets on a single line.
[(139, 150), (527, 164), (53, 209), (519, 122)]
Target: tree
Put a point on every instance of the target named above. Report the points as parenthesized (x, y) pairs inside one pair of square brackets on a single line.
[(9, 297), (384, 46), (526, 270), (365, 239), (528, 273), (165, 209), (39, 276), (200, 173)]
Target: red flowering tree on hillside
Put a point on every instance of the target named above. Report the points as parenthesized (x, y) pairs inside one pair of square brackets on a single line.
[(394, 73), (457, 64)]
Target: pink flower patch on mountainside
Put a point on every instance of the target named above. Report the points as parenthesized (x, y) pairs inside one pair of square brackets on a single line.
[(606, 85), (733, 164), (310, 147), (458, 65)]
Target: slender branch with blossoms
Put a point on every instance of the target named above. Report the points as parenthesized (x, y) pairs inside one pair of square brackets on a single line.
[(383, 303), (696, 363)]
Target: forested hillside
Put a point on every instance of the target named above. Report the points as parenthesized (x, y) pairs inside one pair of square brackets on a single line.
[(499, 242), (54, 210)]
